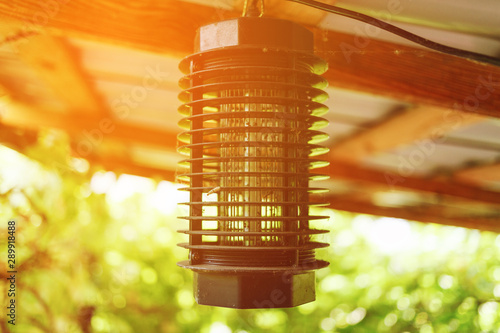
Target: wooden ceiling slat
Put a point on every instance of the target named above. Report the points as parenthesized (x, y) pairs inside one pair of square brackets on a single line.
[(342, 170), (421, 214), (57, 65), (356, 63), (479, 175), (404, 127), (89, 131)]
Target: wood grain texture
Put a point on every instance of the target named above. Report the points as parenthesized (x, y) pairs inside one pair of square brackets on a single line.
[(167, 26), (402, 128), (418, 76), (356, 63)]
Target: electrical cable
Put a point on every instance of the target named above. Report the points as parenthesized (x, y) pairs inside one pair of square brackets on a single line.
[(402, 33)]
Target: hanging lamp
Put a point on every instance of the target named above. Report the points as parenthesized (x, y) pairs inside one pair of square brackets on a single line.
[(252, 106)]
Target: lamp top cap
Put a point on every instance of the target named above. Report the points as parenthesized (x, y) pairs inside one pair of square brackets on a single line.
[(256, 32)]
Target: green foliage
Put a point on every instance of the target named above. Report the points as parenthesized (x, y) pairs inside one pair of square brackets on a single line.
[(93, 256)]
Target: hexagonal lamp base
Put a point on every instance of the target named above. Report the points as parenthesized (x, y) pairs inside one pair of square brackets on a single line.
[(254, 290)]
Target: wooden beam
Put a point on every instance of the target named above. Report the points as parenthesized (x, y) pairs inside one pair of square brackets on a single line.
[(356, 63), (404, 127), (160, 26), (392, 180), (418, 76), (286, 10), (17, 138), (56, 64), (420, 214), (479, 175), (90, 131)]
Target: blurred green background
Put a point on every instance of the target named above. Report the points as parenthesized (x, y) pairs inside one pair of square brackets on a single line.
[(97, 253)]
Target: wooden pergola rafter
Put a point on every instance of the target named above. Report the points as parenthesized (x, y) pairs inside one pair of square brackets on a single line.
[(445, 92)]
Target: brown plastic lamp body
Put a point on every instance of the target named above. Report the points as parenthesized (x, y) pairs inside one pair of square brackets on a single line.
[(252, 105)]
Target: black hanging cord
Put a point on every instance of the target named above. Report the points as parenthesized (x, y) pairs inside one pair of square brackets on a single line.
[(402, 33)]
